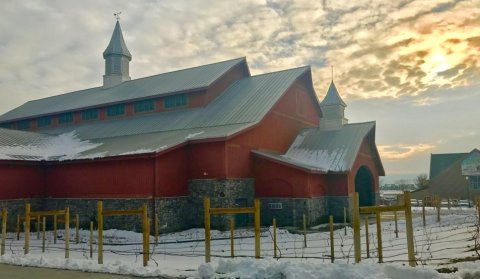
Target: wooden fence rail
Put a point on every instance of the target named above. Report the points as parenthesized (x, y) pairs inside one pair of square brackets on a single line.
[(406, 207), (143, 211), (208, 211)]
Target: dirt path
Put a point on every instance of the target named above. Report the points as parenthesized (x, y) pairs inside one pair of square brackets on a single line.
[(25, 272)]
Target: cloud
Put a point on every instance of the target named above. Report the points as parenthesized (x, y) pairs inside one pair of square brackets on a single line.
[(402, 151)]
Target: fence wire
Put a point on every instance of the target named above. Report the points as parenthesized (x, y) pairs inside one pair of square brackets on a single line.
[(433, 243)]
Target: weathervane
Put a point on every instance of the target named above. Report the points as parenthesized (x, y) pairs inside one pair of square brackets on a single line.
[(332, 72), (117, 15)]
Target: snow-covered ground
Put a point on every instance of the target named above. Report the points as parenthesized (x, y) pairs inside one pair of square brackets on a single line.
[(181, 254)]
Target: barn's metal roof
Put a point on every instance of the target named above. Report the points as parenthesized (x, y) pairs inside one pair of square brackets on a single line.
[(320, 150), (163, 84), (242, 105), (10, 137)]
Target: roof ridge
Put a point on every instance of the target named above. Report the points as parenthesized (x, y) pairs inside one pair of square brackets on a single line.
[(286, 70), (190, 68), (75, 91)]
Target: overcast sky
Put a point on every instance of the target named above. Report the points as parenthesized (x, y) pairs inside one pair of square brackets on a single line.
[(412, 66)]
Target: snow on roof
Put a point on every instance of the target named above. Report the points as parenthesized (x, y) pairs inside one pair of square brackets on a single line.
[(321, 150), (34, 146)]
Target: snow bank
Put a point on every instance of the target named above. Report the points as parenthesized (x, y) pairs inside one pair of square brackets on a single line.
[(250, 268)]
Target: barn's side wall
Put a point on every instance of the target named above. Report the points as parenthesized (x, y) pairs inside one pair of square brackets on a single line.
[(275, 132), (21, 179), (365, 157), (119, 178)]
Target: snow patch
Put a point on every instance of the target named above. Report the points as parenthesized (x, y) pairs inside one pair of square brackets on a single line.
[(62, 147), (190, 136)]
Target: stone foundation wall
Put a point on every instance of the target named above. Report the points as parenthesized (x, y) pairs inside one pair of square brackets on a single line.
[(336, 205), (289, 212), (222, 193), (17, 207), (180, 213)]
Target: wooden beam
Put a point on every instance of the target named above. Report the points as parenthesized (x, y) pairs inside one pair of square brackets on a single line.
[(46, 213), (375, 209), (206, 209), (236, 210)]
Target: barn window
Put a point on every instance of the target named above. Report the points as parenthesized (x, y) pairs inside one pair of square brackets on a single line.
[(65, 118), (116, 110), (275, 205), (89, 114), (143, 106), (175, 101), (44, 121), (24, 124)]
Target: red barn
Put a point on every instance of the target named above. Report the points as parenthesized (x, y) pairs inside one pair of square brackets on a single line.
[(170, 139)]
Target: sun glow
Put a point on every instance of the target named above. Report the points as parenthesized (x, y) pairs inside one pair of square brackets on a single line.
[(439, 63)]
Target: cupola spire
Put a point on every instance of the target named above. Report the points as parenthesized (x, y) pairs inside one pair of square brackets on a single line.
[(333, 109), (117, 58)]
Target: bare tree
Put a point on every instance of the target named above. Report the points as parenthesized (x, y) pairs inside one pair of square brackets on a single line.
[(421, 180)]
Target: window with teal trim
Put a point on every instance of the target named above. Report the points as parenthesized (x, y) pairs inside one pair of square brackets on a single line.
[(175, 101), (65, 118), (90, 114), (143, 106), (44, 121), (116, 110), (24, 124)]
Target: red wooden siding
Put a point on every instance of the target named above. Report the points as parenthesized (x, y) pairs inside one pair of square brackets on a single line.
[(206, 160), (21, 180), (364, 158), (100, 178), (275, 132), (171, 174), (337, 185), (276, 180)]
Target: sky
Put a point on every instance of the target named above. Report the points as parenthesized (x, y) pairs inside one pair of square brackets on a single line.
[(412, 66)]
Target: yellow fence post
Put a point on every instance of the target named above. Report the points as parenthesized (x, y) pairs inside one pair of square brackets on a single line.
[(4, 230), (232, 244), (100, 231), (146, 235), (206, 210), (379, 236), (77, 228), (27, 227), (438, 210), (304, 231), (67, 233), (43, 233), (55, 229), (396, 224), (38, 227), (274, 238), (423, 215), (367, 241), (18, 226), (155, 228), (409, 230), (332, 248), (356, 228), (257, 228), (91, 239)]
